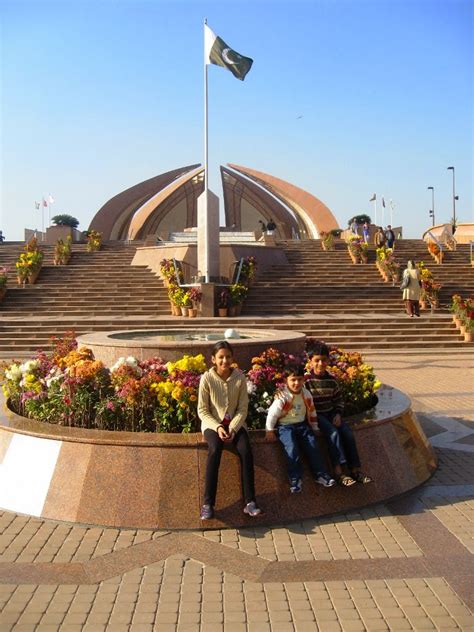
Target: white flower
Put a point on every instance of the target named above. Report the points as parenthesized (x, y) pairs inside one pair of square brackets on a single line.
[(13, 373), (251, 388), (265, 394), (260, 409), (29, 366)]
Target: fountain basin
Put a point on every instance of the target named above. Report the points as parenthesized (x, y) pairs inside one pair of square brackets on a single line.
[(156, 481), (173, 343)]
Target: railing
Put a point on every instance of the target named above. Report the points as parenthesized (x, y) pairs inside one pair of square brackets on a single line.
[(185, 271), (188, 275), (436, 241)]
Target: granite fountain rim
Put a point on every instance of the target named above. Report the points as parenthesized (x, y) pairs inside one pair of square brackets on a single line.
[(392, 404)]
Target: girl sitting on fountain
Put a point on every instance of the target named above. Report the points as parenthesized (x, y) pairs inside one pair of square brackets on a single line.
[(222, 409)]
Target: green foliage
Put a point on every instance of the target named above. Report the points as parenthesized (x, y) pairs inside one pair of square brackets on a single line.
[(360, 219), (65, 220)]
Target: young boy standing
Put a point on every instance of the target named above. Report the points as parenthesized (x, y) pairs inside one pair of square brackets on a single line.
[(292, 417), (328, 401)]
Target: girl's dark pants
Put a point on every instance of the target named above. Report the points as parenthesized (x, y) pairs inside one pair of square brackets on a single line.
[(215, 445)]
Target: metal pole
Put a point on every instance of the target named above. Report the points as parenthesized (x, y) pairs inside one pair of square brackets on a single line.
[(206, 150), (432, 205), (454, 197)]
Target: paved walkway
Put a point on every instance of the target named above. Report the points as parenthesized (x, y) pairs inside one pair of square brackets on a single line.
[(402, 565)]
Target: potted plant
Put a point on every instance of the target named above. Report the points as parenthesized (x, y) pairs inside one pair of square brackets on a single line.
[(173, 298), (223, 299), (327, 241), (94, 241), (248, 270), (456, 309), (3, 282), (29, 263), (435, 252), (62, 251), (238, 292), (364, 252), (354, 248), (195, 295)]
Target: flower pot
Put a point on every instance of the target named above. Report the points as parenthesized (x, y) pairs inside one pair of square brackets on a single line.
[(192, 312), (468, 336), (32, 276), (176, 310), (238, 309), (232, 310), (3, 291), (184, 311), (365, 259), (422, 304), (222, 311), (456, 320)]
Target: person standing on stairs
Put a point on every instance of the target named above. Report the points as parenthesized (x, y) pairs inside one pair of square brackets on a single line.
[(411, 286)]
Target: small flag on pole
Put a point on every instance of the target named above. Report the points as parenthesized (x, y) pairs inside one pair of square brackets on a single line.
[(37, 205), (373, 198), (383, 201), (44, 202), (217, 52), (50, 199)]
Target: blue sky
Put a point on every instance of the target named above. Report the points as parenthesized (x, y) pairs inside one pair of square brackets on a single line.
[(98, 96)]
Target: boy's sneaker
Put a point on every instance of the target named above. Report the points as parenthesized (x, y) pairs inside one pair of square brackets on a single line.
[(324, 479), (207, 512), (251, 509), (295, 485)]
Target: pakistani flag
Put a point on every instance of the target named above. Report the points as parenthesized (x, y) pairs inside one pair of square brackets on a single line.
[(217, 52)]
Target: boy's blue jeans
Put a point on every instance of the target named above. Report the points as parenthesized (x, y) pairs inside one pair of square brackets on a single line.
[(341, 443), (291, 435)]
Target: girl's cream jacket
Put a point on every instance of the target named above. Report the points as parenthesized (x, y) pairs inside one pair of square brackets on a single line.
[(218, 397)]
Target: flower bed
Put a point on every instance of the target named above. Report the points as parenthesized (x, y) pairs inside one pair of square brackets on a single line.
[(463, 315), (71, 388)]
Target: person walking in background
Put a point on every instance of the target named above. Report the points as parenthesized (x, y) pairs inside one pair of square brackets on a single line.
[(366, 232), (271, 227), (222, 409), (2, 238), (379, 238), (390, 236), (411, 287), (353, 227)]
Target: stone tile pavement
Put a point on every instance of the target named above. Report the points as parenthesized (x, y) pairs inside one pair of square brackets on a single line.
[(402, 565)]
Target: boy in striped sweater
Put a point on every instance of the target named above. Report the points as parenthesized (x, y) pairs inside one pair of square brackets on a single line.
[(328, 401), (292, 417)]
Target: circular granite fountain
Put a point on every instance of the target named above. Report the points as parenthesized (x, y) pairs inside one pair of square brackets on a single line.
[(155, 481), (172, 344)]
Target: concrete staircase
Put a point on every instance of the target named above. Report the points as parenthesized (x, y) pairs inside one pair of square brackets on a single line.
[(320, 293)]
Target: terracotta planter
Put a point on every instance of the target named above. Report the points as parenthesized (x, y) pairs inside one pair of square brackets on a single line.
[(184, 311), (422, 304), (192, 312), (456, 320), (176, 310), (232, 310), (21, 280), (32, 276), (238, 309), (222, 311), (468, 336), (365, 259)]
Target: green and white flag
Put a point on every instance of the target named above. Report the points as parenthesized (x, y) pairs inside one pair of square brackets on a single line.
[(217, 52)]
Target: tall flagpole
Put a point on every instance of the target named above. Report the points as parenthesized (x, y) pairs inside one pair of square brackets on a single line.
[(375, 210), (206, 150)]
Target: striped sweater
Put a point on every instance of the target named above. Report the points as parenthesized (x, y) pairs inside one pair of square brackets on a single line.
[(327, 396)]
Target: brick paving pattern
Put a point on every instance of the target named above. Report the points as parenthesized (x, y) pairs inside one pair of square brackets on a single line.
[(402, 565)]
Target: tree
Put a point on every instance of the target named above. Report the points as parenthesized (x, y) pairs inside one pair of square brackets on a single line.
[(360, 219), (65, 220)]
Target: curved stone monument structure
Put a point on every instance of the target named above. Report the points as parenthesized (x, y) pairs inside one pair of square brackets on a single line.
[(155, 481)]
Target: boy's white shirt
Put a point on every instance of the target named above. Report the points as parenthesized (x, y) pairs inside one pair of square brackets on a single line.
[(275, 412)]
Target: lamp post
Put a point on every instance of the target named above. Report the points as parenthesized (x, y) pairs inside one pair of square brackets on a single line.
[(432, 212), (455, 197)]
